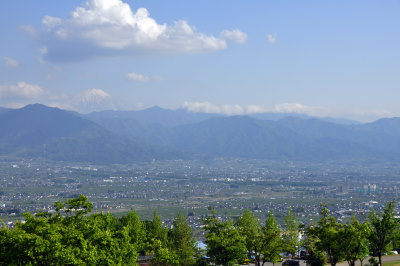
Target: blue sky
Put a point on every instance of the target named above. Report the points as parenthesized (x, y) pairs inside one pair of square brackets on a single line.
[(323, 58)]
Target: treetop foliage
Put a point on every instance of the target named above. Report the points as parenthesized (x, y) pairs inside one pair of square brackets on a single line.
[(73, 235)]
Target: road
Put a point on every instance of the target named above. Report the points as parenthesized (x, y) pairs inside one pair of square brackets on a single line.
[(302, 262)]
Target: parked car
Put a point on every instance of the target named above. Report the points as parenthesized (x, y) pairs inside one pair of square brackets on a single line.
[(303, 255), (291, 263)]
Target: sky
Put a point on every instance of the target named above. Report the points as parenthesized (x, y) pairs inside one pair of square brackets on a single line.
[(321, 58)]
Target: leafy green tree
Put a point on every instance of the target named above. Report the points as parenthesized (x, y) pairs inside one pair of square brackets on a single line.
[(383, 227), (73, 209), (67, 237), (157, 230), (291, 235), (164, 256), (182, 241), (135, 229), (328, 237), (249, 227), (18, 247), (54, 239), (315, 257), (225, 245), (272, 242), (154, 230), (111, 241), (355, 241)]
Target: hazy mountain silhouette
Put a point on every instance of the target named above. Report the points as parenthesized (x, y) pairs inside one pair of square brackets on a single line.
[(3, 110), (40, 131), (121, 136)]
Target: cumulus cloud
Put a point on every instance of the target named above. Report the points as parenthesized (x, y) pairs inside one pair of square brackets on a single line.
[(207, 107), (10, 61), (141, 78), (21, 90), (234, 36), (290, 108), (137, 77), (201, 107), (257, 109), (271, 38), (228, 109), (110, 27)]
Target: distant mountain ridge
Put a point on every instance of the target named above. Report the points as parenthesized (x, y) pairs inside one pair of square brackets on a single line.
[(125, 136), (167, 117), (3, 110), (153, 115), (40, 131)]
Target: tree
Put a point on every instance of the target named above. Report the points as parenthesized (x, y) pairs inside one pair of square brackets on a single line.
[(157, 230), (135, 229), (272, 243), (382, 228), (67, 237), (154, 230), (291, 234), (224, 243), (110, 241), (315, 257), (327, 236), (355, 241), (249, 227), (182, 241), (164, 256)]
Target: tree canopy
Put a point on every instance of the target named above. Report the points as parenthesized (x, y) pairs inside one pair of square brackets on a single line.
[(71, 235)]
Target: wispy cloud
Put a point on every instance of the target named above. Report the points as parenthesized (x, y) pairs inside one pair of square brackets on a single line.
[(234, 35), (107, 28), (21, 90), (290, 108), (235, 109), (137, 77), (141, 78), (29, 30), (207, 107), (11, 62), (271, 38)]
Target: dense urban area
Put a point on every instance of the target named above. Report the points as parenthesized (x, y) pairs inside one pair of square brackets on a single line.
[(192, 187)]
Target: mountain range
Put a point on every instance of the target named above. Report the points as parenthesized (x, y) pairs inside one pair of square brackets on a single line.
[(38, 131)]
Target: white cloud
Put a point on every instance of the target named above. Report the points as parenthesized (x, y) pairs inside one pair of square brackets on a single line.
[(10, 61), (51, 22), (110, 27), (271, 38), (290, 108), (232, 109), (21, 90), (29, 30), (93, 96), (234, 36), (207, 107), (137, 77), (61, 105), (257, 109), (201, 107)]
